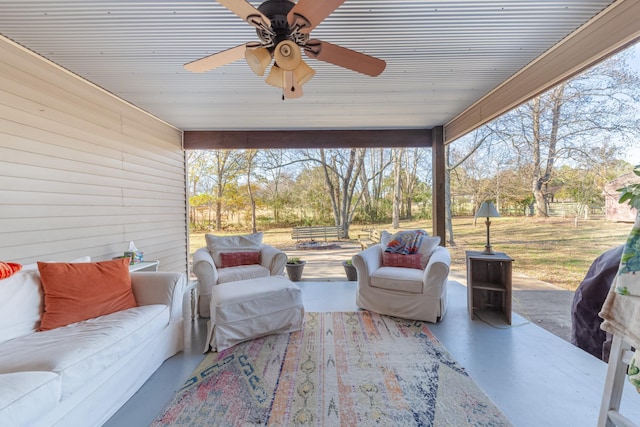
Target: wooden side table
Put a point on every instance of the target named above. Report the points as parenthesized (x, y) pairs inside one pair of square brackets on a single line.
[(489, 282)]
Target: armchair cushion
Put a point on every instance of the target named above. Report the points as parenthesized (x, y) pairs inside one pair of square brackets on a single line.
[(398, 279), (226, 244)]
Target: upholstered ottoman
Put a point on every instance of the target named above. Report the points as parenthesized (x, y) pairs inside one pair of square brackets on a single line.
[(248, 309)]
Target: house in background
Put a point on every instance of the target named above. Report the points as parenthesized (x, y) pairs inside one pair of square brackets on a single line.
[(614, 210), (96, 110)]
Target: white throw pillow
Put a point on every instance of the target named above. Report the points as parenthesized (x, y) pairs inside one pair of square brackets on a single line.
[(242, 243), (34, 266), (427, 246), (21, 304), (385, 238)]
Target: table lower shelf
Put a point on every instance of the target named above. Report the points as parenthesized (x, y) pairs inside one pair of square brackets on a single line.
[(488, 286), (489, 297)]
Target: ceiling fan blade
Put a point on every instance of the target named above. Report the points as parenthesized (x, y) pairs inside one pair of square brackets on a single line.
[(247, 12), (216, 60), (309, 13), (343, 57)]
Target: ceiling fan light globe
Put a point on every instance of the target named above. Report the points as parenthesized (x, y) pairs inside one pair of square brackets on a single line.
[(276, 77), (258, 59), (304, 73), (287, 54)]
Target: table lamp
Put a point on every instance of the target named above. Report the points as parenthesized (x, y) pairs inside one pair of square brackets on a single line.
[(487, 209)]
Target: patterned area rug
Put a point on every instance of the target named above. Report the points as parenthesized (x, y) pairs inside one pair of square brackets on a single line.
[(343, 369)]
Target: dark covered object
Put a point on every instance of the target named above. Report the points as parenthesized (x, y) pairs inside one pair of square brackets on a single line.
[(588, 300)]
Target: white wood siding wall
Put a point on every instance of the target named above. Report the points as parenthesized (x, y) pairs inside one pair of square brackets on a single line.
[(82, 172)]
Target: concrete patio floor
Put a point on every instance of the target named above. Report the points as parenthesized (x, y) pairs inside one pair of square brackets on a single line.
[(539, 302), (535, 376)]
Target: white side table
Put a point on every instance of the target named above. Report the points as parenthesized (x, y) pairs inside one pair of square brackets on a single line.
[(144, 266), (192, 291)]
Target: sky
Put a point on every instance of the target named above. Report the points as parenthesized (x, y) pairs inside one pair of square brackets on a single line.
[(633, 154)]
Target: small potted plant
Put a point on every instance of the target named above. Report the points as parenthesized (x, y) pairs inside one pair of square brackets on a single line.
[(294, 268), (350, 270)]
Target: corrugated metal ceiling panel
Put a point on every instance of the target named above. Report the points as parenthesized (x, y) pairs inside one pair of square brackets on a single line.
[(441, 57)]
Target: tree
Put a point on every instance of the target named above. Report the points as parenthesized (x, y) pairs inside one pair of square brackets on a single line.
[(397, 186), (199, 170), (454, 158), (413, 159), (377, 160), (227, 165), (251, 155), (342, 169), (515, 190), (567, 122), (271, 163)]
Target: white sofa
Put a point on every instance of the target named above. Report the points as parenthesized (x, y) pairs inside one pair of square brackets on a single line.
[(207, 265), (82, 373)]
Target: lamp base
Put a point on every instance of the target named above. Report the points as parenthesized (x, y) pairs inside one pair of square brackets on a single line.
[(488, 251)]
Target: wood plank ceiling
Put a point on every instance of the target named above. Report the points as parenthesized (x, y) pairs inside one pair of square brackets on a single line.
[(442, 58)]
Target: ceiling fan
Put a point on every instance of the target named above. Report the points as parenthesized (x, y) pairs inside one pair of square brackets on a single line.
[(283, 28)]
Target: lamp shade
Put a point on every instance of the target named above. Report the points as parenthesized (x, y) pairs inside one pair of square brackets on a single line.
[(487, 209), (258, 59), (287, 55), (276, 77), (303, 73)]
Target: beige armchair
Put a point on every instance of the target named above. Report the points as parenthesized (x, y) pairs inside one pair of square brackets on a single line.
[(409, 293), (208, 265)]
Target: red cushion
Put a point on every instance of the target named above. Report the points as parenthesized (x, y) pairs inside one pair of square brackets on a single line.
[(79, 291), (233, 259), (390, 259)]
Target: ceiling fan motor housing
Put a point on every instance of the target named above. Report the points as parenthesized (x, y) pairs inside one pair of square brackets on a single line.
[(276, 11)]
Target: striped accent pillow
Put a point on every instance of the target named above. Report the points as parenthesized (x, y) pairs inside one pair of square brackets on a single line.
[(8, 268), (390, 259), (234, 259)]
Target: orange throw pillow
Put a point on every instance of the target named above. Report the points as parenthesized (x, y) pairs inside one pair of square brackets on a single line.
[(79, 291)]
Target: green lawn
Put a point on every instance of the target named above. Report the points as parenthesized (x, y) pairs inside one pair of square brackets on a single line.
[(550, 249), (553, 249)]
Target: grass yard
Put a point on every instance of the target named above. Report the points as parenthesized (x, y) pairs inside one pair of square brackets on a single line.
[(551, 249)]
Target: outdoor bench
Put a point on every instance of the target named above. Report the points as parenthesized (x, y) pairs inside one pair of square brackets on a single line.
[(315, 232), (368, 237)]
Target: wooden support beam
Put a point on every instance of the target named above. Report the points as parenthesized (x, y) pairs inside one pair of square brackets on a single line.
[(438, 166), (265, 139)]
